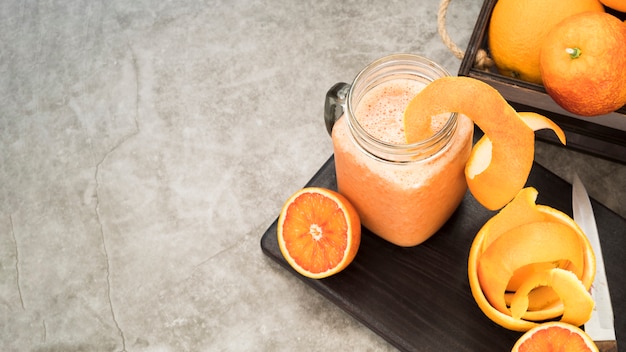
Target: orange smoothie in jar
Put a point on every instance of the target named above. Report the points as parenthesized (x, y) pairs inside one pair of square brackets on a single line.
[(403, 193)]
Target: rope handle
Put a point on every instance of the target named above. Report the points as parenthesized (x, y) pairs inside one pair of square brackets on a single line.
[(482, 60)]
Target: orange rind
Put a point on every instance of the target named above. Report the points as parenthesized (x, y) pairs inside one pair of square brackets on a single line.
[(540, 299), (539, 122), (521, 210), (520, 275), (319, 232), (501, 160), (523, 245), (619, 5), (521, 240), (577, 302)]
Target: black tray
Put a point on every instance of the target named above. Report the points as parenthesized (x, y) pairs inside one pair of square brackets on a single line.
[(418, 299), (603, 136)]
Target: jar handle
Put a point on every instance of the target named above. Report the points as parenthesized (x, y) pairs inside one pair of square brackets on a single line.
[(335, 104)]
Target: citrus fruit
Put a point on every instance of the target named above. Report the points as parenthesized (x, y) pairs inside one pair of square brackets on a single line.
[(583, 60), (517, 29), (501, 160), (531, 263), (319, 232), (555, 336), (619, 5)]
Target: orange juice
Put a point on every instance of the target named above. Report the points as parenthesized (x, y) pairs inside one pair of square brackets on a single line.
[(403, 193)]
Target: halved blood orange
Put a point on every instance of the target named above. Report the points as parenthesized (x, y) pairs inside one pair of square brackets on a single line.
[(555, 336), (319, 232), (501, 160)]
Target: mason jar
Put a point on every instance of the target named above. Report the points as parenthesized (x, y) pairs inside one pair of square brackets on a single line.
[(403, 192)]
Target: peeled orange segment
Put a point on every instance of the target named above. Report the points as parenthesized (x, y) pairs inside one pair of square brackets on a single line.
[(319, 232), (577, 302), (499, 165), (555, 336), (539, 122), (523, 245)]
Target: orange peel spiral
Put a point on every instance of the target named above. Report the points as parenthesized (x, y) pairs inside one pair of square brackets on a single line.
[(502, 159)]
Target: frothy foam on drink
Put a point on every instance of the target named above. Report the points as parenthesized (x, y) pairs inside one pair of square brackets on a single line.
[(380, 111)]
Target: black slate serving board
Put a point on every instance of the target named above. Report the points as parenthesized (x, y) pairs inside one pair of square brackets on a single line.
[(418, 299)]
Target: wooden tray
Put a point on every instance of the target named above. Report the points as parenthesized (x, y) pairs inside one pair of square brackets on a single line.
[(603, 136), (419, 298)]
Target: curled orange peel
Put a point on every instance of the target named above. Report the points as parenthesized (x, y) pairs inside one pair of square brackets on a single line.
[(500, 162), (539, 299), (521, 210), (520, 275), (544, 303), (577, 302), (539, 122), (523, 245), (589, 263)]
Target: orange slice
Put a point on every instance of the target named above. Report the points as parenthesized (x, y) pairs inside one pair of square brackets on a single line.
[(555, 336), (319, 232), (577, 302), (501, 161)]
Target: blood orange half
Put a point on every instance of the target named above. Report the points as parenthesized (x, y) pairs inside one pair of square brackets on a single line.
[(555, 336), (319, 232)]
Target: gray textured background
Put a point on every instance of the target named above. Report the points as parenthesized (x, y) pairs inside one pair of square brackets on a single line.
[(147, 145)]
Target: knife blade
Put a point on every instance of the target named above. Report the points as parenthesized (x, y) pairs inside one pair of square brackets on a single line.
[(600, 326)]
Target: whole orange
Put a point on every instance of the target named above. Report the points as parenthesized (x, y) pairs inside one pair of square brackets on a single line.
[(517, 28), (619, 5), (583, 64)]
